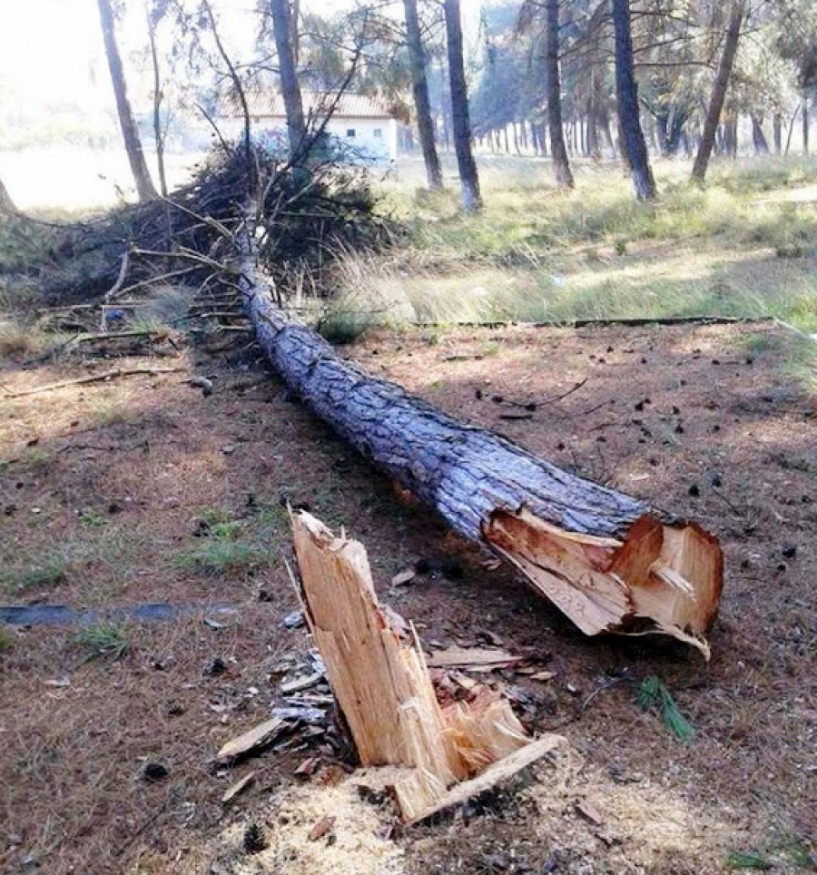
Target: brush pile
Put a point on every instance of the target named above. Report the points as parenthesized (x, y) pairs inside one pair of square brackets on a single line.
[(187, 238)]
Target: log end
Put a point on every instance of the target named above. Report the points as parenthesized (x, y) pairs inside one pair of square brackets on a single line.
[(659, 578)]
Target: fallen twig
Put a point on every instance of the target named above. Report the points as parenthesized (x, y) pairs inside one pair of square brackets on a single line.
[(96, 378)]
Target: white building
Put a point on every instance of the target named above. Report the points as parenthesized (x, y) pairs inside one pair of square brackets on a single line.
[(357, 121)]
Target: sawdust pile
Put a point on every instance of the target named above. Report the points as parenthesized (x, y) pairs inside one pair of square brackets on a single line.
[(357, 842)]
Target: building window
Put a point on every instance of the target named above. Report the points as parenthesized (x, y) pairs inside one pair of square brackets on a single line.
[(350, 133), (378, 133)]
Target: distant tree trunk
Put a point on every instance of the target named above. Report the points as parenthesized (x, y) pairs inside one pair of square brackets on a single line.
[(805, 122), (158, 96), (718, 96), (633, 143), (6, 203), (422, 104), (290, 89), (759, 142), (130, 133), (469, 179), (777, 132), (558, 151)]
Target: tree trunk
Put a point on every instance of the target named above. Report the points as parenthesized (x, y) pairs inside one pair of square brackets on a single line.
[(422, 105), (6, 203), (290, 88), (805, 122), (777, 132), (469, 179), (382, 685), (603, 557), (633, 144), (158, 133), (718, 96), (759, 142), (130, 133), (558, 150)]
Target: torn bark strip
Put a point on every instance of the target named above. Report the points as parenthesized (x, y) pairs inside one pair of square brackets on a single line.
[(604, 558)]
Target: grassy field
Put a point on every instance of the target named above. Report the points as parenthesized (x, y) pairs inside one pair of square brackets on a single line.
[(743, 246)]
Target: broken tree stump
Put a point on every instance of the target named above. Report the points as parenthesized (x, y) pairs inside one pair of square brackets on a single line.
[(607, 560), (384, 690)]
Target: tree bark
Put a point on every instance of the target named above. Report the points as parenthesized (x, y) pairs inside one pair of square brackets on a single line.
[(777, 132), (130, 133), (633, 144), (761, 145), (805, 121), (558, 151), (290, 88), (469, 179), (603, 557), (6, 203), (718, 96), (422, 104), (158, 133)]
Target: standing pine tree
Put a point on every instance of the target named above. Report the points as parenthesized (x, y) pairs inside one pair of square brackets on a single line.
[(461, 122)]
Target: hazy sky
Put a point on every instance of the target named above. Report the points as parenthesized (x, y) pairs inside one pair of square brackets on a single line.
[(51, 50)]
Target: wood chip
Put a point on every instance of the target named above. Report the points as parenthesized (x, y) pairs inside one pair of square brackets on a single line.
[(308, 767), (472, 658), (321, 828), (254, 739), (239, 787), (543, 676), (404, 577), (299, 684), (589, 812)]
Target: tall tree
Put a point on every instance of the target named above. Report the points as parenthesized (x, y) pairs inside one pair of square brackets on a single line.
[(561, 165), (154, 15), (461, 122), (290, 88), (422, 105), (718, 95), (6, 203), (130, 133), (633, 146)]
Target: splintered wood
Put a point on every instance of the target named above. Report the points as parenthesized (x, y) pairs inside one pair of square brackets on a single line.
[(659, 579), (383, 687)]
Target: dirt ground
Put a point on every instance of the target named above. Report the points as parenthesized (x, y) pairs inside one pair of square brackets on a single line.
[(140, 489)]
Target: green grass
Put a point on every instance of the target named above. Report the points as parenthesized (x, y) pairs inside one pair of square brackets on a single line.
[(44, 572), (742, 246), (653, 695), (230, 545), (5, 640), (104, 639), (747, 860)]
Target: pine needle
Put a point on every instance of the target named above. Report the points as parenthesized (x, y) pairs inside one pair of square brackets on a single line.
[(654, 696), (751, 860)]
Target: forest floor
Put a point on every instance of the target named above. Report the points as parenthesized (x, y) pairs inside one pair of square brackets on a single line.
[(140, 490)]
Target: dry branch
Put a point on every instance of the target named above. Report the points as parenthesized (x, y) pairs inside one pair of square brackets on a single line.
[(106, 376)]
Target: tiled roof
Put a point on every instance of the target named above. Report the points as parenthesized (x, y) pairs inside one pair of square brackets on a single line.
[(270, 103)]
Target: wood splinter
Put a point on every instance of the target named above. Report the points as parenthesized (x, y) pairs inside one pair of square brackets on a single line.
[(382, 685)]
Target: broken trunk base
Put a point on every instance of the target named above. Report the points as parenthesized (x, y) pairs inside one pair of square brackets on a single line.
[(382, 685)]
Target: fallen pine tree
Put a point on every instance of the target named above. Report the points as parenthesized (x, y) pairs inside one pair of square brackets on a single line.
[(608, 561)]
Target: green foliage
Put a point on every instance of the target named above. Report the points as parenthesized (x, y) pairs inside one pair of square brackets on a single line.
[(654, 696), (49, 571), (104, 639), (747, 860), (5, 640)]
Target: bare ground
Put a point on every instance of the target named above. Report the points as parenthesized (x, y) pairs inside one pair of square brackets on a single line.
[(142, 490)]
